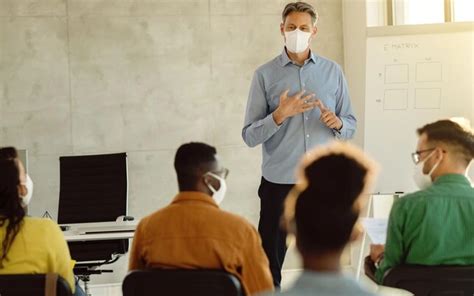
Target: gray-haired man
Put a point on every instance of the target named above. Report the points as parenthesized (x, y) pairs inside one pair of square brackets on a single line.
[(297, 101)]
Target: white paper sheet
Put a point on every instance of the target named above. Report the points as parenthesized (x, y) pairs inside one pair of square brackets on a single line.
[(376, 228)]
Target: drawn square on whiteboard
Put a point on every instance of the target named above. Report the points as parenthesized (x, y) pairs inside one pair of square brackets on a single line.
[(396, 73), (427, 98), (428, 72), (395, 99)]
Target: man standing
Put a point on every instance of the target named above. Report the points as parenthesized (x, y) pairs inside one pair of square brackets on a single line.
[(297, 101)]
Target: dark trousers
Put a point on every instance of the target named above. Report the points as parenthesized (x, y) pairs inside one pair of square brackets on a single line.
[(272, 199), (369, 268)]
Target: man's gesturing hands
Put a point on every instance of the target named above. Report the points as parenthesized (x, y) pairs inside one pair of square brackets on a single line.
[(292, 105)]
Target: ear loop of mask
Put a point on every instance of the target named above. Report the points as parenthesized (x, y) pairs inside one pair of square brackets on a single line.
[(436, 165), (209, 185)]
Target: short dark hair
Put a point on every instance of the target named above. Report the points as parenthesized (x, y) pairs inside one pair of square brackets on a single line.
[(327, 200), (300, 7), (191, 161), (453, 134)]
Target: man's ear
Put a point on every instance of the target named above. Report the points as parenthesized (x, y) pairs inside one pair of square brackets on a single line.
[(438, 154), (282, 29), (210, 181), (315, 31), (207, 180)]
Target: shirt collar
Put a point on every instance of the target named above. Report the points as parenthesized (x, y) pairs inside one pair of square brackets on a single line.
[(285, 59), (452, 178), (194, 196)]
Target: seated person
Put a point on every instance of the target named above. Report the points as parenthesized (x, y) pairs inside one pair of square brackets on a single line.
[(192, 232), (28, 245), (322, 211), (433, 226)]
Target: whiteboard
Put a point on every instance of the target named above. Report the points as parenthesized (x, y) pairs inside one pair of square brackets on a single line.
[(412, 80)]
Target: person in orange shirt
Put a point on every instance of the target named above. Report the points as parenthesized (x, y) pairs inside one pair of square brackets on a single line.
[(192, 232)]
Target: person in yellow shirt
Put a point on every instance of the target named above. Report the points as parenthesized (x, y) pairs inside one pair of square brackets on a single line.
[(193, 232), (28, 245)]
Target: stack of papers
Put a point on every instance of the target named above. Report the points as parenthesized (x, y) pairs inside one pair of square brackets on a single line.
[(376, 228)]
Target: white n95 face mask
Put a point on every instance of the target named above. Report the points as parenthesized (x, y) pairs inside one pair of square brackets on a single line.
[(424, 181), (297, 41), (25, 200), (218, 195)]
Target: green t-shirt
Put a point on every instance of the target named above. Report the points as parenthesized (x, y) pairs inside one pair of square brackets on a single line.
[(434, 226)]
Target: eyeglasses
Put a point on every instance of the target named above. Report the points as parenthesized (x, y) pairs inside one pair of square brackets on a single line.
[(415, 156), (223, 173)]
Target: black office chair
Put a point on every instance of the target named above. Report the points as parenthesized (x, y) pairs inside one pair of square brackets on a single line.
[(93, 188), (33, 284), (432, 280), (181, 282)]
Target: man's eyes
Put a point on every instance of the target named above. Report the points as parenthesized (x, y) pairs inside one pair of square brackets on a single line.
[(292, 28)]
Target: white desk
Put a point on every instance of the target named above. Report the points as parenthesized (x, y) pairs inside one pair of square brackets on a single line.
[(100, 231)]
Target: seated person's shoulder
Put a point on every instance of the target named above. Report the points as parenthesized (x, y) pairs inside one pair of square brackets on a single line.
[(236, 222), (43, 226), (43, 223), (328, 63), (413, 198)]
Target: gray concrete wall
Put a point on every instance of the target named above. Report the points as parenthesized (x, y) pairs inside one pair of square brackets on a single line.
[(100, 76)]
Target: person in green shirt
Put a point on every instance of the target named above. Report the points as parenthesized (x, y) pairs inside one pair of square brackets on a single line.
[(434, 226)]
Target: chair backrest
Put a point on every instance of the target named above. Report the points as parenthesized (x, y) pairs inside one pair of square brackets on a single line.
[(93, 188), (180, 282), (89, 185), (30, 284), (432, 280)]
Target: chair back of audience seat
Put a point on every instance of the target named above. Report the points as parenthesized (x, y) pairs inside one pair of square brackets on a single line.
[(432, 280), (33, 284), (181, 282)]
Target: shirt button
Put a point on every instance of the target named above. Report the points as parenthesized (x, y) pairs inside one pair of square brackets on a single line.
[(307, 136), (306, 118)]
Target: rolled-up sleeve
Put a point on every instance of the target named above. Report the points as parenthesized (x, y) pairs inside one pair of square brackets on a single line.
[(259, 125), (344, 110)]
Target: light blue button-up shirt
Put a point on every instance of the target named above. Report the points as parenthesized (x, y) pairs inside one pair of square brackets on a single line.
[(284, 145), (312, 283)]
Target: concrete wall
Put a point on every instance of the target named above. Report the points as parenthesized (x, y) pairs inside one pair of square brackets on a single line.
[(143, 76)]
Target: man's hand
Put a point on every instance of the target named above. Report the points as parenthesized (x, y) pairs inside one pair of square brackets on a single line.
[(328, 117), (376, 252), (290, 106)]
